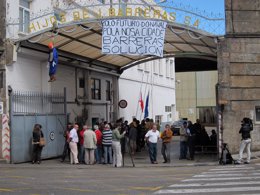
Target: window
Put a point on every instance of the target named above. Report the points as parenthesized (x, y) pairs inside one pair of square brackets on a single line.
[(257, 114), (95, 89), (1, 80), (158, 119), (122, 6), (171, 69), (81, 83), (102, 1), (155, 66), (108, 91), (161, 65), (147, 66), (167, 68), (24, 16), (140, 67), (168, 108)]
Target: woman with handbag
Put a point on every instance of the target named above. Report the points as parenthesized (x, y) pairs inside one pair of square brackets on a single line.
[(38, 143)]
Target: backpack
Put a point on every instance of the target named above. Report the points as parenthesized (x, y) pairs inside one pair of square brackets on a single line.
[(229, 158)]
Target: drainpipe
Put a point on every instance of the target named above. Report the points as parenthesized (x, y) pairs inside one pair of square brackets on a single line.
[(220, 108)]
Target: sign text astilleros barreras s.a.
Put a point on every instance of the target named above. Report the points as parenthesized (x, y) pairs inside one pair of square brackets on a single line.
[(106, 11)]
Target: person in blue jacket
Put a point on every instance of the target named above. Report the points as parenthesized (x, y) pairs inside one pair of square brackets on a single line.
[(53, 62)]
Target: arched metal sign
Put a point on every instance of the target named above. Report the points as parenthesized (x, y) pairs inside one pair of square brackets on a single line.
[(70, 12)]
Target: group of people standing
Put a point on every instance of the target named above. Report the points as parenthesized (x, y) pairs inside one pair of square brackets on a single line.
[(87, 146), (106, 142), (192, 135)]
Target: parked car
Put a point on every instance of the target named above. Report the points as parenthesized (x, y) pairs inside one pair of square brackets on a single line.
[(176, 126)]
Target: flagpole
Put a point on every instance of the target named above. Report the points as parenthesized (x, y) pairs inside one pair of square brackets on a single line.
[(152, 77), (146, 86), (139, 93)]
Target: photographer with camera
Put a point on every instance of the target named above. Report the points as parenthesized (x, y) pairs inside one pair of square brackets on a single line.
[(246, 128)]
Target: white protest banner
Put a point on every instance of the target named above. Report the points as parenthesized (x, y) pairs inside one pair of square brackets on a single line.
[(133, 37)]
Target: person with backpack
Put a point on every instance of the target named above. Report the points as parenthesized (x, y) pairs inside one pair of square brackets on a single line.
[(246, 128)]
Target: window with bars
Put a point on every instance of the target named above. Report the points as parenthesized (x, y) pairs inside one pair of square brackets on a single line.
[(24, 16), (95, 89)]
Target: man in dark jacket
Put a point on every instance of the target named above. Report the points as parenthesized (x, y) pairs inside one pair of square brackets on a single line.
[(246, 128)]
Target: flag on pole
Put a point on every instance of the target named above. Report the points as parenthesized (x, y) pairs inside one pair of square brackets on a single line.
[(146, 112), (141, 102)]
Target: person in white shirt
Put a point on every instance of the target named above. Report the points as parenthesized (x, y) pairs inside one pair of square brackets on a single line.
[(74, 139), (152, 137)]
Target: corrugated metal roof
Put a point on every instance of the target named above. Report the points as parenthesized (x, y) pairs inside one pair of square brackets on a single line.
[(84, 41)]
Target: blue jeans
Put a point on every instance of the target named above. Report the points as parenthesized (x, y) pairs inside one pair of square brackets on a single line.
[(166, 152), (98, 154), (152, 151), (107, 154), (183, 149)]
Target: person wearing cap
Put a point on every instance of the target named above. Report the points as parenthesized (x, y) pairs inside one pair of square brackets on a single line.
[(53, 62)]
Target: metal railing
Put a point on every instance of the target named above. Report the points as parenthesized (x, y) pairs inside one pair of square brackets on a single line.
[(37, 102)]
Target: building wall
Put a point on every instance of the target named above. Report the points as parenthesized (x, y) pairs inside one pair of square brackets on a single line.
[(150, 76), (30, 73), (195, 90), (238, 64)]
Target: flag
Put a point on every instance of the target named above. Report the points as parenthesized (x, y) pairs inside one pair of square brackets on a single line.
[(146, 112), (141, 102)]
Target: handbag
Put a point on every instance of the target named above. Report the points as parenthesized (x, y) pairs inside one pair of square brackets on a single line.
[(42, 141)]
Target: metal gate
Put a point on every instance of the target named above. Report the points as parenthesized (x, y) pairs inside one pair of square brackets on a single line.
[(29, 108)]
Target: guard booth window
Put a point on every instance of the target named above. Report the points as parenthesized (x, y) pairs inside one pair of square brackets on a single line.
[(95, 89)]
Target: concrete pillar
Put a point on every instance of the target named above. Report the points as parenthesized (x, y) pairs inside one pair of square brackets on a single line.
[(239, 69)]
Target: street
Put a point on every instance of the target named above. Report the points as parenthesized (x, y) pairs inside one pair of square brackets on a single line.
[(203, 175), (236, 179), (60, 178), (52, 177)]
